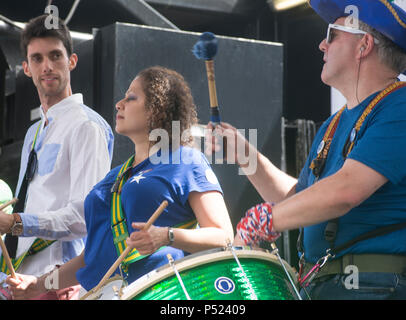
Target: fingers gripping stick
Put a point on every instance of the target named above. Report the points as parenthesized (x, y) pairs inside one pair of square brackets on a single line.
[(120, 259)]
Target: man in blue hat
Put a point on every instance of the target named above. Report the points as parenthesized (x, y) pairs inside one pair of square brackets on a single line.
[(354, 180)]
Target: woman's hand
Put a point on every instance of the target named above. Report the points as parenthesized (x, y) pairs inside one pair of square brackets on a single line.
[(147, 241)]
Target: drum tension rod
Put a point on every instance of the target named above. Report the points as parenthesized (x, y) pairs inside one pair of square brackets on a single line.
[(230, 246), (172, 264), (276, 251)]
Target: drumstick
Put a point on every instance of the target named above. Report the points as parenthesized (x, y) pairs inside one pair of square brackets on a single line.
[(3, 246), (7, 258), (8, 203), (206, 49), (122, 256)]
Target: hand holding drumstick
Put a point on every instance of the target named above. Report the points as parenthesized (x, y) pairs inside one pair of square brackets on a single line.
[(120, 259), (3, 246)]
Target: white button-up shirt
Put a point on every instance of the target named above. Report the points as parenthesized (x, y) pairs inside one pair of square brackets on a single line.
[(74, 153)]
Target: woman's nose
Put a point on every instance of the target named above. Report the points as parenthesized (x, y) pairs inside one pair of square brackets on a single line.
[(118, 104)]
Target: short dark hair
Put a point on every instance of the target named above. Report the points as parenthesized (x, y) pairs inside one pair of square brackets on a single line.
[(36, 28)]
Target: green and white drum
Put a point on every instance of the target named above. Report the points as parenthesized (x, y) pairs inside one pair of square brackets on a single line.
[(216, 275), (5, 195)]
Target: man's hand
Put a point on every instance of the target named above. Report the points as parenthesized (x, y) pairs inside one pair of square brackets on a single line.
[(6, 222), (237, 145), (257, 225), (24, 287)]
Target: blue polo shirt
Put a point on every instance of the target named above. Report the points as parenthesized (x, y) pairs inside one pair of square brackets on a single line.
[(380, 145), (167, 176)]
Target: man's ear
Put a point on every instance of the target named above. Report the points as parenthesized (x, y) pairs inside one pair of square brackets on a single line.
[(366, 46), (73, 60), (26, 69)]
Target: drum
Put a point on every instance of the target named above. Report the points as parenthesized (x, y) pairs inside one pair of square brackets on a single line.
[(216, 275), (109, 291), (5, 195)]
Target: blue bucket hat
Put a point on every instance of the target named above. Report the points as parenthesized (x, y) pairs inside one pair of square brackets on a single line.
[(383, 15)]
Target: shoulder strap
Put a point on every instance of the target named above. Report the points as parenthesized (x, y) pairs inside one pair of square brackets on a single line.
[(369, 235), (119, 223), (330, 232), (37, 246), (318, 163), (11, 241), (384, 93)]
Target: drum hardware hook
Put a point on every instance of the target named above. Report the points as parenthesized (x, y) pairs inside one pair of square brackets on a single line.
[(117, 293), (230, 246), (123, 274), (172, 264), (315, 269), (299, 276), (276, 251)]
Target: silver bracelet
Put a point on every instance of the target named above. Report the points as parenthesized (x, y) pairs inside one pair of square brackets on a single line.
[(171, 236)]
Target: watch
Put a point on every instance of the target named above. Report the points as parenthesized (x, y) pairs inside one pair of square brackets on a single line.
[(17, 228), (171, 235)]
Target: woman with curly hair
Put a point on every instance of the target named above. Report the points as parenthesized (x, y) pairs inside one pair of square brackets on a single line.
[(118, 206)]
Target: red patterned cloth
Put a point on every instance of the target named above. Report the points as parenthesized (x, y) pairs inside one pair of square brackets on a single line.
[(257, 225)]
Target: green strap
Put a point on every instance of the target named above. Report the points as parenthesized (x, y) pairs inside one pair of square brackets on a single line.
[(36, 135), (37, 246), (119, 223)]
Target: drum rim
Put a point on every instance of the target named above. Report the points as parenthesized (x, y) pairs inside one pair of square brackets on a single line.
[(192, 260), (116, 277)]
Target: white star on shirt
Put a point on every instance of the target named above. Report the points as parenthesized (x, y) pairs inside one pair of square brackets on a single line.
[(137, 178)]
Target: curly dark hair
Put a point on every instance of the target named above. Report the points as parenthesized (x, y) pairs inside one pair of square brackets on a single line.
[(169, 98), (36, 28)]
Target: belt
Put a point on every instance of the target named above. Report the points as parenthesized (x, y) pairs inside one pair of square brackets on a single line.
[(387, 263)]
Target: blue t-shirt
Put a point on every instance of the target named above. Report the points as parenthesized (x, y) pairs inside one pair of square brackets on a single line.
[(380, 145), (167, 176)]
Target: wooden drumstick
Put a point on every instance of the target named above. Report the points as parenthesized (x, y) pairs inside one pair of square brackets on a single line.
[(8, 203), (7, 258), (122, 256), (3, 246), (206, 49)]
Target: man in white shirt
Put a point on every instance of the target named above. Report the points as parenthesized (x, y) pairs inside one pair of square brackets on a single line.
[(73, 148)]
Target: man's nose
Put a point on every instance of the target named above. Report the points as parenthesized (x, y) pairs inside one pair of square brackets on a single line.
[(47, 65), (323, 45)]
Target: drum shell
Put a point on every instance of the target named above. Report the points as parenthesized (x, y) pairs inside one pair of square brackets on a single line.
[(215, 275)]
